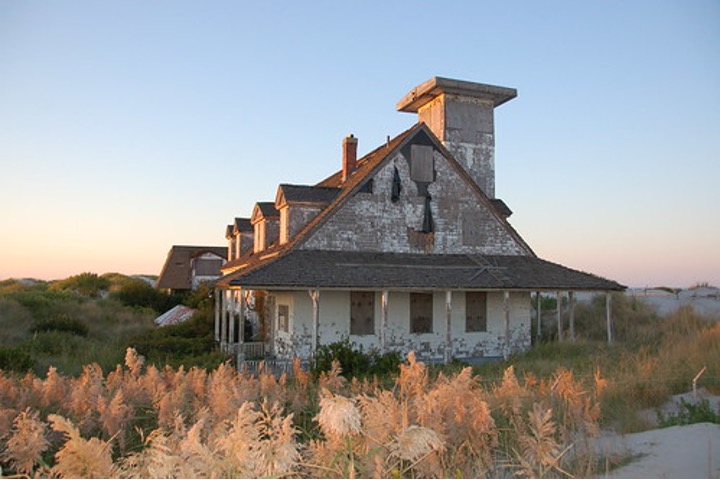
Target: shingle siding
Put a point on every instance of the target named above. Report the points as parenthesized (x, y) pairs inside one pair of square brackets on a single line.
[(373, 222)]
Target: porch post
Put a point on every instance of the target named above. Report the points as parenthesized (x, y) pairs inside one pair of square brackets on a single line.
[(608, 316), (231, 322), (571, 301), (241, 329), (506, 308), (217, 314), (448, 329), (223, 320), (539, 317), (559, 316), (383, 320), (315, 296)]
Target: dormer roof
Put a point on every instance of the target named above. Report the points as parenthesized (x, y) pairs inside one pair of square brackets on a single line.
[(304, 194), (264, 211)]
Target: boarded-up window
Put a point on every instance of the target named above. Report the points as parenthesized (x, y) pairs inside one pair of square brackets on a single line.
[(362, 313), (421, 313), (204, 266), (476, 312), (422, 168), (283, 318)]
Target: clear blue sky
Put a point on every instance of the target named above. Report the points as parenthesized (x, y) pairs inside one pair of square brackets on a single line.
[(130, 126)]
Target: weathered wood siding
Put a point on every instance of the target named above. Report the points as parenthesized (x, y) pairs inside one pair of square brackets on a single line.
[(373, 222)]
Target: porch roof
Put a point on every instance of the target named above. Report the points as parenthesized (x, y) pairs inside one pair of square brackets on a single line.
[(393, 271)]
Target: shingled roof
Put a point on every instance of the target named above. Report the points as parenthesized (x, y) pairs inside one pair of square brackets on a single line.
[(307, 193), (379, 270)]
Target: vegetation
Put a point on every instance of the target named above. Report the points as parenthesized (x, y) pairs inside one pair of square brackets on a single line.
[(142, 421), (93, 319), (174, 409), (689, 413), (355, 362)]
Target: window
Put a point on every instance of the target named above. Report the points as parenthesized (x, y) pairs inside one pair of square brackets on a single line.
[(421, 313), (362, 313), (422, 168), (476, 312), (283, 318)]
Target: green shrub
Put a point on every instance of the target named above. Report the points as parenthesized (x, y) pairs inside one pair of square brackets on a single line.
[(88, 284), (137, 293), (15, 359), (192, 338), (354, 362), (689, 413), (61, 323)]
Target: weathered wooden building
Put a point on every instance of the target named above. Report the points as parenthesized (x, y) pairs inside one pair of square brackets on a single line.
[(187, 266), (404, 249)]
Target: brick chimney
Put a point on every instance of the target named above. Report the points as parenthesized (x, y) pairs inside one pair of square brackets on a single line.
[(461, 115), (349, 147)]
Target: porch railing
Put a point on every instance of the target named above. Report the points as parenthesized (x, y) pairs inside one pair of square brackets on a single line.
[(253, 350)]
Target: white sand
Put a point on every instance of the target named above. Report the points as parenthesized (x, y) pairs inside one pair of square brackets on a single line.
[(689, 451)]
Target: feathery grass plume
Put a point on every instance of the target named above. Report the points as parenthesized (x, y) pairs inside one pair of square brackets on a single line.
[(413, 377), (134, 362), (55, 388), (278, 452), (272, 388), (600, 383), (540, 452), (197, 380), (153, 382), (115, 416), (332, 380), (510, 393), (8, 392), (339, 416), (454, 408), (237, 442), (300, 381), (221, 391), (198, 457), (178, 399), (80, 458), (383, 416), (26, 443), (7, 417), (416, 442), (159, 458), (84, 394)]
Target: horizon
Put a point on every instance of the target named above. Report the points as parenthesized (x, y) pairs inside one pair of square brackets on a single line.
[(127, 127)]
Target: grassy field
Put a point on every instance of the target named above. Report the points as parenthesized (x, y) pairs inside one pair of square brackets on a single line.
[(109, 411)]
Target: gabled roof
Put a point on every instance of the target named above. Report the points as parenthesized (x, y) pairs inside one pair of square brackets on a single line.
[(397, 271), (373, 161), (176, 271), (264, 210), (242, 225)]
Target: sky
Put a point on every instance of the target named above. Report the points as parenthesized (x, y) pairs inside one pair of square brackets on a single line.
[(130, 126)]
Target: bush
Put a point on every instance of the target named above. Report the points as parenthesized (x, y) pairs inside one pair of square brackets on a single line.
[(88, 284), (689, 413), (194, 338), (15, 359), (137, 293), (354, 362), (61, 323)]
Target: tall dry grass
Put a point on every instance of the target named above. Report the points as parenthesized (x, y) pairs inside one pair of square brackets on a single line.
[(138, 421)]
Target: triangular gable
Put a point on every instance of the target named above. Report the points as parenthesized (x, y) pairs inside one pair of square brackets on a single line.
[(263, 210), (372, 163)]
